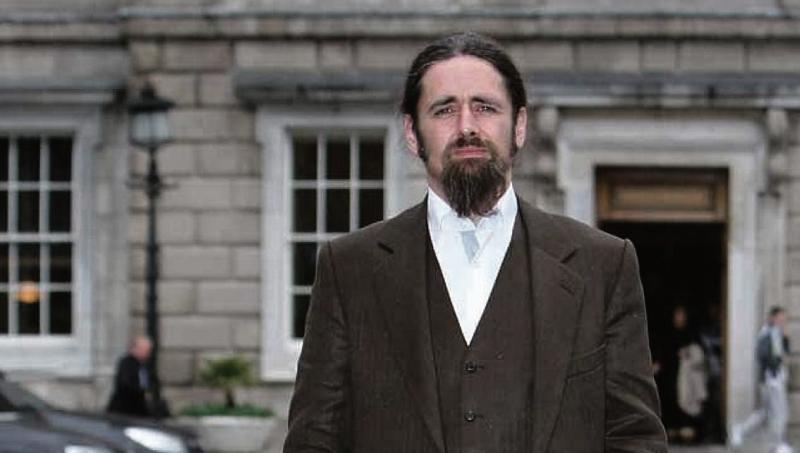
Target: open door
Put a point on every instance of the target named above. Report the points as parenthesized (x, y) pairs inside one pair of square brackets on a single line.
[(678, 220)]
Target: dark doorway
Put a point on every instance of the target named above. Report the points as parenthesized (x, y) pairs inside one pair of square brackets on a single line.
[(683, 264)]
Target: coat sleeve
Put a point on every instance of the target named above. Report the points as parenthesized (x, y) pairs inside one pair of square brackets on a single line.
[(318, 415), (632, 407)]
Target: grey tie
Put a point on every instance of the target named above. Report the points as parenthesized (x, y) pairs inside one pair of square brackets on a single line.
[(470, 241)]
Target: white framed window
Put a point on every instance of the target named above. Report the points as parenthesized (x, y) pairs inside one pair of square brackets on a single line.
[(45, 282), (325, 173)]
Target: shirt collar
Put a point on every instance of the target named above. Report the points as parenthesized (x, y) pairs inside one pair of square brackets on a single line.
[(441, 216)]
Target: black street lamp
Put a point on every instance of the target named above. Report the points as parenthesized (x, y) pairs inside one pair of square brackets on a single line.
[(148, 130)]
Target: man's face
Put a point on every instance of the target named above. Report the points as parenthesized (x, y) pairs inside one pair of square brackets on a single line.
[(142, 347), (779, 319), (465, 120)]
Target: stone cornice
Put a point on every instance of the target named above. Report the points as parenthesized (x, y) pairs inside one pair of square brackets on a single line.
[(219, 23)]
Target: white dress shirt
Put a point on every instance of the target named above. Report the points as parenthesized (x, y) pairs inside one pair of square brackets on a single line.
[(470, 281)]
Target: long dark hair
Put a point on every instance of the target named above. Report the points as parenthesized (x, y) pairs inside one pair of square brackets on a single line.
[(471, 44)]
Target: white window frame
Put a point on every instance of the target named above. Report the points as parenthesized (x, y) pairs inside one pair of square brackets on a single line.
[(61, 355), (280, 351)]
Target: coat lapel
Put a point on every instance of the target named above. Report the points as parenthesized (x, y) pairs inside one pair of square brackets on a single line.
[(557, 295), (400, 284)]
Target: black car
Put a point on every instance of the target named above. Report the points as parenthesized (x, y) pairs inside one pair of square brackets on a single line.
[(30, 425)]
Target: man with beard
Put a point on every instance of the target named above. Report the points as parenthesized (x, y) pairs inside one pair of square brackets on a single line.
[(474, 322)]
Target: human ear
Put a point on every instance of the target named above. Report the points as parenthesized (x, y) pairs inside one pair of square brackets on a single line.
[(521, 127), (410, 135)]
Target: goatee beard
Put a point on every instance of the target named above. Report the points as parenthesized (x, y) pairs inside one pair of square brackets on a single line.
[(473, 186)]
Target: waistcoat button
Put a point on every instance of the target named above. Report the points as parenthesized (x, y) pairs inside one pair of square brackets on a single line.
[(470, 416), (470, 367)]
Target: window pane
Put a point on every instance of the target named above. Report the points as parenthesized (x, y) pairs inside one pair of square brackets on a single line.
[(305, 210), (299, 314), (3, 211), (28, 211), (29, 317), (3, 263), (370, 206), (370, 157), (337, 211), (60, 159), (28, 262), (305, 158), (28, 158), (4, 159), (3, 312), (61, 263), (305, 259), (60, 211), (61, 313), (338, 165)]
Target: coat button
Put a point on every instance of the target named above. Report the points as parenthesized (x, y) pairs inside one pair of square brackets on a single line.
[(470, 367), (470, 416)]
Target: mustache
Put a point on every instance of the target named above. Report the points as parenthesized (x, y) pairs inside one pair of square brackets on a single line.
[(463, 142)]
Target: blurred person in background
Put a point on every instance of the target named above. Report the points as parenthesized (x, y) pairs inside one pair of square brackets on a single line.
[(678, 350), (132, 380), (772, 348)]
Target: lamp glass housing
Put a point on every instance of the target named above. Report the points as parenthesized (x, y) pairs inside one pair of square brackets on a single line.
[(149, 129)]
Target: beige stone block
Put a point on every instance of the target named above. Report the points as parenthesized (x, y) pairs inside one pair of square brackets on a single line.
[(336, 55), (179, 88), (217, 89), (608, 56), (145, 55), (176, 367), (774, 57), (26, 61), (247, 262), (195, 332), (174, 159), (212, 124), (659, 56), (793, 189), (224, 227), (794, 156), (196, 193), (247, 333), (247, 193), (793, 268), (233, 159), (197, 55), (793, 301), (793, 235), (87, 61), (542, 55), (276, 55), (174, 296), (193, 262), (171, 227), (386, 55), (229, 297), (136, 262), (711, 56)]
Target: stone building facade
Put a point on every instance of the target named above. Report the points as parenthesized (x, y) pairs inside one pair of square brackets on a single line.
[(267, 90)]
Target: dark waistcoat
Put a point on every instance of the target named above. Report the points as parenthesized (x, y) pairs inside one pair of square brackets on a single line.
[(484, 388)]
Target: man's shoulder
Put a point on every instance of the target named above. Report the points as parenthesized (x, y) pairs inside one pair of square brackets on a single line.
[(563, 230)]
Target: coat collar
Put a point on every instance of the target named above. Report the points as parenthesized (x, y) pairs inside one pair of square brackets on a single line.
[(400, 283)]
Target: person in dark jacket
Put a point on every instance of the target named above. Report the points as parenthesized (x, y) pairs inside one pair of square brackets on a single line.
[(132, 380)]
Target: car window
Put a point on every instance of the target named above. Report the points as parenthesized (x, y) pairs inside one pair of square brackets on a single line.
[(20, 399), (5, 405)]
